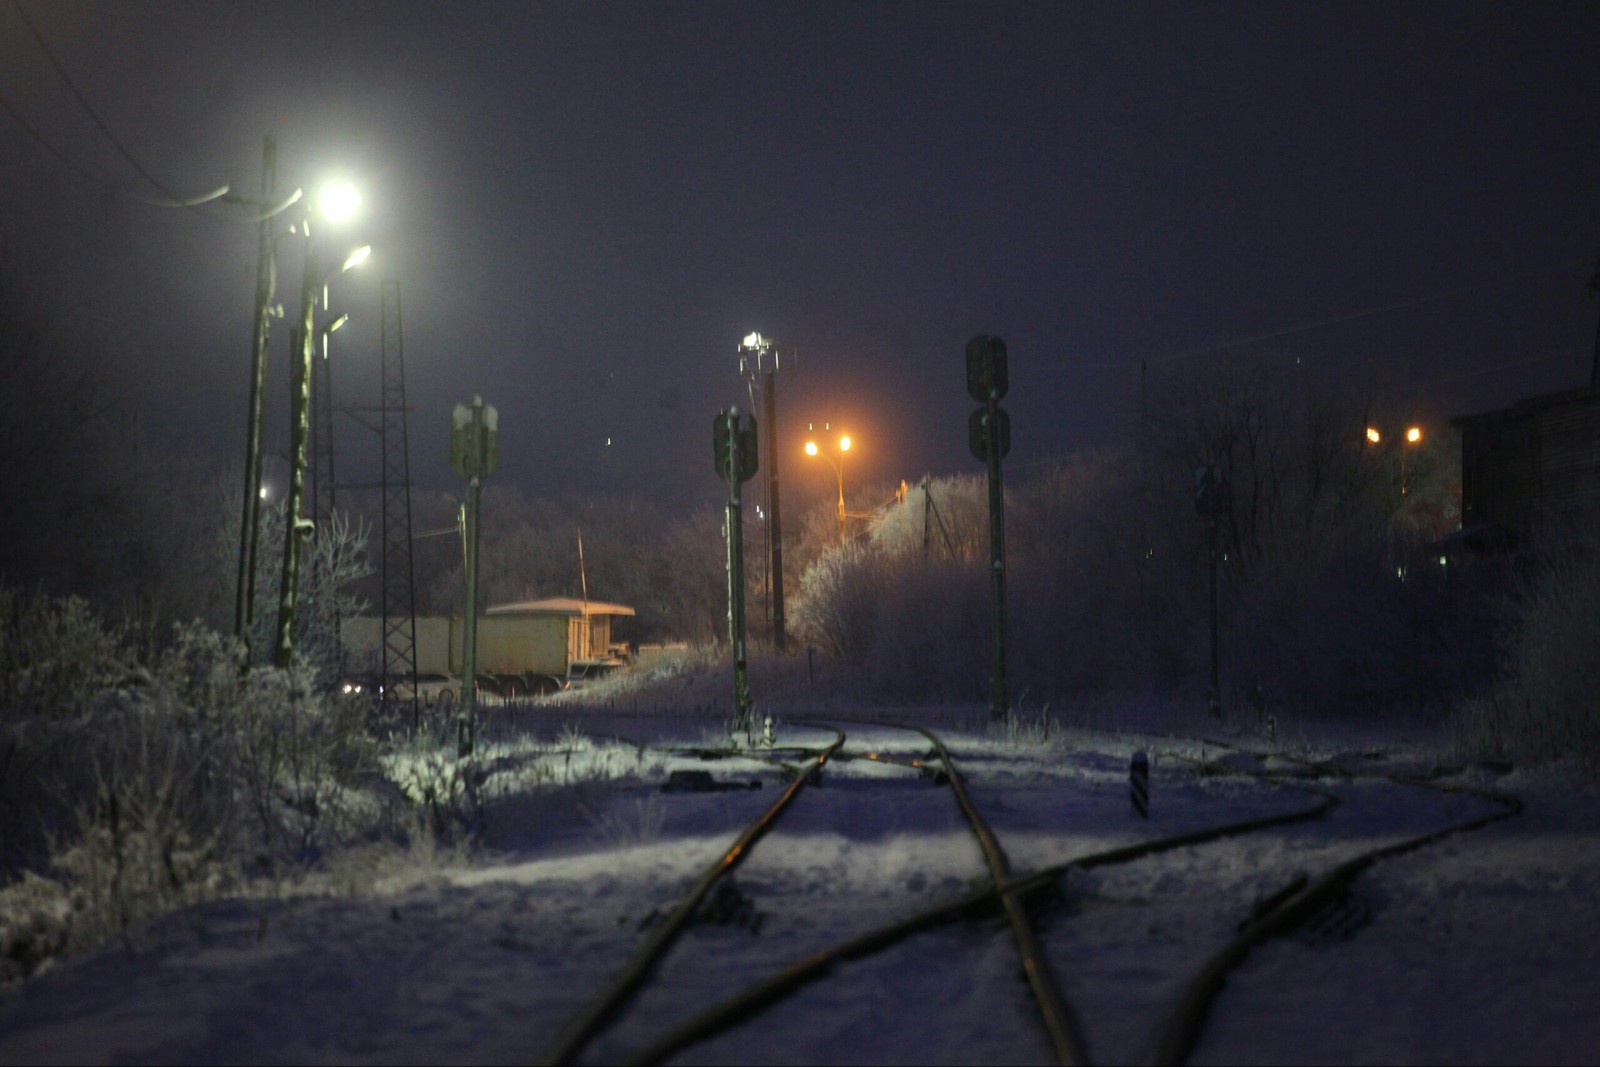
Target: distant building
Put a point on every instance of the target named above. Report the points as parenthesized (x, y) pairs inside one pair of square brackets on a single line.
[(585, 624), (530, 637), (1528, 464)]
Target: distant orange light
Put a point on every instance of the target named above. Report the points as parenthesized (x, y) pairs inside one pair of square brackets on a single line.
[(811, 448), (1373, 435), (1414, 435), (844, 444)]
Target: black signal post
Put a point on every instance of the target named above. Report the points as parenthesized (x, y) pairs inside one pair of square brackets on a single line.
[(474, 454), (733, 446), (989, 438)]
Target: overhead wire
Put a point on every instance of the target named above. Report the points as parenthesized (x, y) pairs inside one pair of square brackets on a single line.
[(172, 199)]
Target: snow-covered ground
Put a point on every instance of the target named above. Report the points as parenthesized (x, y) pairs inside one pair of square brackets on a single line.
[(1482, 948)]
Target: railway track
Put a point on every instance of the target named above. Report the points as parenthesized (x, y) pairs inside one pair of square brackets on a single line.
[(1297, 900)]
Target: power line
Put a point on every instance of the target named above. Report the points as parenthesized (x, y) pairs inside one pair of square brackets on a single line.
[(1305, 327), (173, 199)]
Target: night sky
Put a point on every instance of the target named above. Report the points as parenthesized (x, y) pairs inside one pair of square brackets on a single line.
[(589, 205)]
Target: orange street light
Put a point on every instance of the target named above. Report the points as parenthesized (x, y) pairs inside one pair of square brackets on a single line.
[(838, 469), (1413, 436)]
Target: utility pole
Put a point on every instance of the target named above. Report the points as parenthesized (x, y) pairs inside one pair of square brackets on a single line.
[(250, 521), (297, 530)]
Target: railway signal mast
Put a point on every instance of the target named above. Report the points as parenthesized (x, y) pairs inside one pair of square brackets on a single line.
[(989, 439), (733, 448), (474, 454), (762, 358)]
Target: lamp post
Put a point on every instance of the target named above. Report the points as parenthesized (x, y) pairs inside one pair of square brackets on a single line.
[(1412, 436), (266, 284), (337, 202), (838, 469)]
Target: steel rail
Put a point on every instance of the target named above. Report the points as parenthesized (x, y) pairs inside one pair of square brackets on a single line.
[(1296, 904), (752, 1000), (577, 1033), (1053, 1010)]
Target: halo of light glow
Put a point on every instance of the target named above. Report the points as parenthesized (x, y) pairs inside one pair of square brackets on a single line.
[(338, 201)]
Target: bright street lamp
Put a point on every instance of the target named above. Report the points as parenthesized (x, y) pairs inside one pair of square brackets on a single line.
[(338, 201), (838, 469), (1413, 436)]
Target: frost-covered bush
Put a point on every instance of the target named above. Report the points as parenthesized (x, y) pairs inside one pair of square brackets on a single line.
[(36, 924), (837, 603), (123, 816), (1021, 730), (626, 823), (448, 788), (301, 756), (56, 655), (135, 789), (154, 833)]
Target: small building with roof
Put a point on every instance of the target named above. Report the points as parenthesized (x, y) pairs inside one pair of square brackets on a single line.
[(544, 637), (581, 629)]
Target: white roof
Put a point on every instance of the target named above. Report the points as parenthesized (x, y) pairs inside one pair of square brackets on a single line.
[(560, 605)]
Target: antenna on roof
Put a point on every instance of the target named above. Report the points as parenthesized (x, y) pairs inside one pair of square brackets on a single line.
[(583, 579)]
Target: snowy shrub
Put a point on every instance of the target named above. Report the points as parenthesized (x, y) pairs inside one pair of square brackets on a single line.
[(143, 827), (940, 519), (298, 753), (837, 603), (572, 737), (1023, 731), (202, 669), (127, 791), (36, 916), (447, 787), (626, 823), (56, 655), (417, 855)]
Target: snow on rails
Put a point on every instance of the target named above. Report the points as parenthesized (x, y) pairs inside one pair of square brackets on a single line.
[(1291, 902)]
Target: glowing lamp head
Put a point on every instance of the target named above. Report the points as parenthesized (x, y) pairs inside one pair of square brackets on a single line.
[(811, 448), (1373, 435), (1414, 435), (338, 201), (358, 257), (752, 340), (844, 444)]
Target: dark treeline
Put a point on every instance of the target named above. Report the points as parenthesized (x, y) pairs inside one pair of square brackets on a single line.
[(1331, 592)]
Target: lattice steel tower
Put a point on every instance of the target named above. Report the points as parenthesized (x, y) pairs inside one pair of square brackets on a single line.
[(399, 580)]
